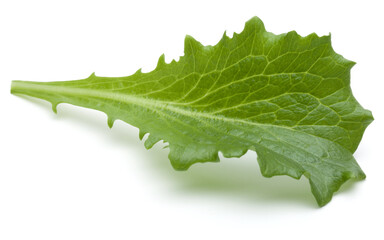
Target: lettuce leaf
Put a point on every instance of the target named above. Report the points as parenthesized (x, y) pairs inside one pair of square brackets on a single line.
[(284, 96)]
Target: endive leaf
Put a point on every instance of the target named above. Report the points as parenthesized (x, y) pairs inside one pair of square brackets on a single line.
[(284, 96)]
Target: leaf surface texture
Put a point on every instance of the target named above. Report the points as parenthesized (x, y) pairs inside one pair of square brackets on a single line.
[(284, 96)]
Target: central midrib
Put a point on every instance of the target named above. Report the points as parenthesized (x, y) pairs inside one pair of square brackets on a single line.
[(25, 87)]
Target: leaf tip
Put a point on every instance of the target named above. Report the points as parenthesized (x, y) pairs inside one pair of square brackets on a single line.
[(110, 122), (151, 141), (324, 194), (224, 37), (141, 134), (161, 62), (191, 45), (138, 71), (93, 75), (54, 107), (255, 24)]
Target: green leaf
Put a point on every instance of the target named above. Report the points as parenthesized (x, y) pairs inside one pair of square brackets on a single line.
[(284, 96)]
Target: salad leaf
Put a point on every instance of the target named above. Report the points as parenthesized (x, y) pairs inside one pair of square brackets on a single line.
[(284, 96)]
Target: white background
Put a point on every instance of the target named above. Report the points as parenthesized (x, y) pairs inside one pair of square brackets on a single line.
[(68, 176)]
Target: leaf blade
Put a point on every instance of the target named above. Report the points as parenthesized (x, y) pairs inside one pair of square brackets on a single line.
[(285, 96)]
